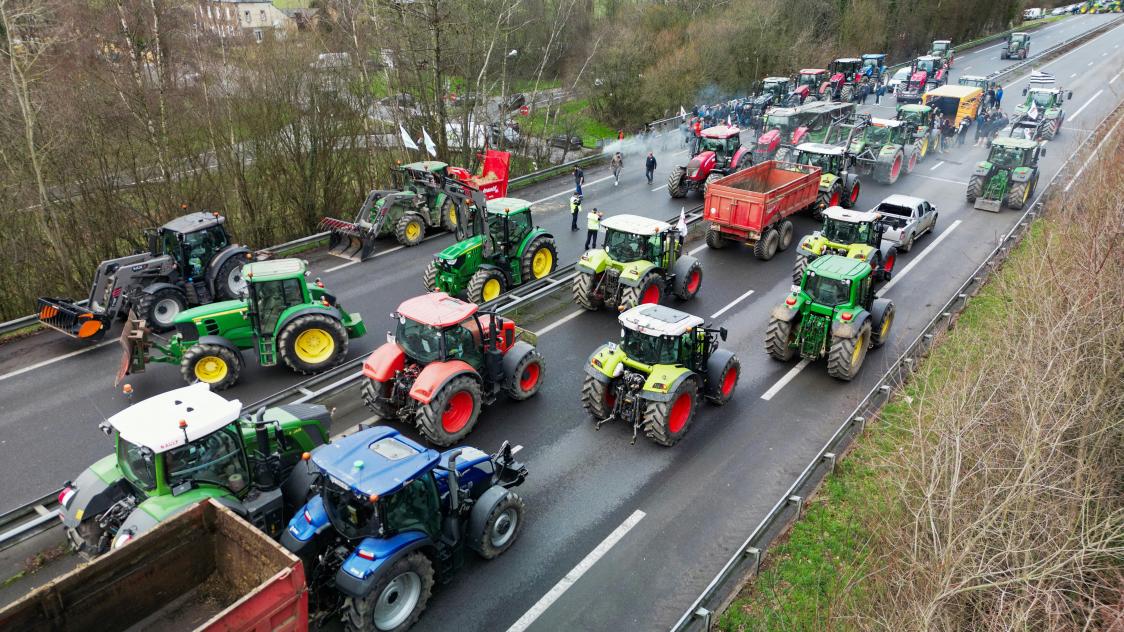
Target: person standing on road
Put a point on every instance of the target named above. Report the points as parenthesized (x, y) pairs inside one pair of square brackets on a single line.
[(650, 167), (620, 134), (579, 180), (983, 124), (575, 210), (998, 95), (879, 90), (592, 225), (615, 165)]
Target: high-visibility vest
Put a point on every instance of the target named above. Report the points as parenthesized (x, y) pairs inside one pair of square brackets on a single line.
[(575, 206), (592, 222)]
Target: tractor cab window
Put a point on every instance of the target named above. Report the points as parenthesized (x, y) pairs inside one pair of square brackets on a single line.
[(216, 459), (271, 298), (940, 47), (877, 135), (842, 232), (808, 79), (1042, 99), (421, 342), (783, 123), (462, 343), (825, 291), (519, 224), (201, 246), (1006, 156), (352, 516), (650, 349), (623, 246), (927, 65), (137, 464), (823, 161), (414, 507)]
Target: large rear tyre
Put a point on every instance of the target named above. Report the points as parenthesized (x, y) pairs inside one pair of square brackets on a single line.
[(582, 289), (667, 422), (597, 397), (889, 172), (847, 94), (540, 258), (1018, 195), (526, 379), (785, 230), (214, 365), (779, 339), (397, 598), (714, 239), (687, 284), (677, 183), (500, 529), (975, 186), (649, 290), (229, 284), (485, 285), (410, 229), (312, 343), (798, 269), (452, 413), (724, 382), (371, 397), (882, 314), (847, 354), (449, 215), (766, 247), (429, 277), (160, 308)]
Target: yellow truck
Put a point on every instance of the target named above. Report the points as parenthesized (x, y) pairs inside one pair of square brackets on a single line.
[(960, 103)]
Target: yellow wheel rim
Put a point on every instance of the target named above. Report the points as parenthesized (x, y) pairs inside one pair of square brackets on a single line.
[(452, 215), (924, 147), (314, 346), (886, 325), (491, 289), (541, 263), (412, 230), (211, 369), (860, 345)]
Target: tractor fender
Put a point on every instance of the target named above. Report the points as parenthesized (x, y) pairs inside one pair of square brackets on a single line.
[(770, 140), (535, 233), (714, 365), (482, 508), (153, 288), (297, 312), (785, 312), (812, 242), (742, 152), (887, 153), (1021, 174), (603, 363), (357, 575), (504, 271), (233, 250), (515, 355), (663, 381), (706, 162), (140, 521), (592, 262), (633, 271), (222, 342), (384, 362), (827, 180), (799, 134), (983, 169), (849, 329), (435, 375), (92, 494), (307, 521)]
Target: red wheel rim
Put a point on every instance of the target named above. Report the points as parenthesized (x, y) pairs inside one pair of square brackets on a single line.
[(897, 168), (680, 411), (855, 193), (890, 262), (457, 412), (610, 398), (651, 295), (913, 162), (729, 381), (693, 282), (834, 198), (530, 376)]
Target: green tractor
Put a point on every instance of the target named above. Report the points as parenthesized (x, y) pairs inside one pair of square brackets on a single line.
[(499, 248), (640, 263), (885, 149), (839, 184), (1017, 46), (281, 316), (919, 119), (654, 378), (1009, 175), (853, 234), (834, 313), (1041, 116), (184, 446)]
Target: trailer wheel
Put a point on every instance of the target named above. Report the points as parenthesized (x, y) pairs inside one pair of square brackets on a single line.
[(214, 365), (597, 397), (410, 230), (766, 247), (779, 338), (714, 238), (160, 308), (582, 289), (429, 277), (312, 343), (398, 597), (667, 422), (847, 354), (452, 413), (785, 231)]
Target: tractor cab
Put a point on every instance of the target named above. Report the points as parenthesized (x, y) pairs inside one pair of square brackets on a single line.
[(876, 62), (829, 158), (1011, 153), (275, 287), (942, 49), (1042, 101), (841, 226), (879, 132), (723, 141), (782, 126), (919, 117), (974, 81), (933, 67), (846, 70), (809, 81), (777, 87), (1018, 46), (833, 282), (192, 241), (631, 238), (655, 334), (509, 222), (436, 327)]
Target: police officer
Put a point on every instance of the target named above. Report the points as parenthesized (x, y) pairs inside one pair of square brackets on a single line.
[(592, 224), (575, 209)]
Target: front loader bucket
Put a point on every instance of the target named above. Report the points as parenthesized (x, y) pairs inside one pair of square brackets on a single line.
[(348, 240), (134, 342), (73, 320), (988, 205)]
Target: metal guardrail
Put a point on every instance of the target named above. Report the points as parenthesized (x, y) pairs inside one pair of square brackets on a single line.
[(29, 520), (788, 508)]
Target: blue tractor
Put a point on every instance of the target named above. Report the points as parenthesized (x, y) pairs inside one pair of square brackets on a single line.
[(388, 517)]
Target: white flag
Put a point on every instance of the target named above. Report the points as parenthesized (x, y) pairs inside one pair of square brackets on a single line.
[(1033, 111), (429, 145), (682, 225), (682, 112), (407, 142)]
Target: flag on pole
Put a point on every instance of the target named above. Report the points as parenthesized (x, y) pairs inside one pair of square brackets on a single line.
[(1033, 111), (429, 144), (682, 112), (407, 142), (682, 225)]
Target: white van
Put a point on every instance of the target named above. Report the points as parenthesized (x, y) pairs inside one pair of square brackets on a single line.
[(1032, 14)]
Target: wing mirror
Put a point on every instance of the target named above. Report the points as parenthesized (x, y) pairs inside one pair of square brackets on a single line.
[(1024, 91), (722, 333), (1042, 152), (1069, 95)]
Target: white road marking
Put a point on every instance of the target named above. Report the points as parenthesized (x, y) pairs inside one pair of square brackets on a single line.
[(576, 573), (921, 255), (1090, 63), (1051, 63), (1077, 176), (918, 175), (966, 69), (571, 191), (561, 321), (44, 363), (788, 377), (662, 186), (1113, 80), (1073, 75), (1082, 108), (934, 167), (731, 304), (697, 249)]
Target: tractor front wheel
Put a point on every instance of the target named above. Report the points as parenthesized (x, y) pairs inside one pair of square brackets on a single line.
[(975, 186), (597, 397), (677, 183), (312, 343), (687, 281), (485, 285), (160, 308), (582, 290), (214, 365), (882, 313), (397, 597), (540, 257), (452, 413), (429, 277), (449, 215), (798, 269), (847, 354), (526, 379), (723, 383), (501, 528), (229, 284), (410, 230), (831, 197), (780, 337), (667, 422), (714, 176)]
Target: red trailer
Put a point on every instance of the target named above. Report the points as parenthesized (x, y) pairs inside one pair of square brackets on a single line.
[(752, 206)]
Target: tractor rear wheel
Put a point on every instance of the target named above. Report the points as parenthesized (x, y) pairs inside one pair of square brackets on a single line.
[(975, 186), (687, 284), (785, 230), (485, 285), (449, 215), (832, 197), (847, 354), (429, 277), (229, 284), (160, 308), (888, 172), (882, 313), (501, 527), (312, 343), (410, 230), (582, 290), (1018, 195), (714, 238), (798, 269), (452, 413), (779, 337), (677, 183), (667, 422), (214, 365), (648, 290), (540, 258), (723, 384), (377, 405), (397, 598), (766, 247), (597, 397), (526, 379)]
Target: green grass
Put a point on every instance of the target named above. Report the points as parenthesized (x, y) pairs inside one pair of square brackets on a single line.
[(575, 117)]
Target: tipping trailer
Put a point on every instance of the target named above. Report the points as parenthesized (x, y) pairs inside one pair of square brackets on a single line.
[(206, 569), (752, 206)]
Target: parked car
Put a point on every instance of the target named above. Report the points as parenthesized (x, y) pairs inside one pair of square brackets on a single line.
[(900, 75), (906, 218)]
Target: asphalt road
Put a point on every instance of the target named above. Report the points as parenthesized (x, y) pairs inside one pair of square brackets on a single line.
[(618, 537)]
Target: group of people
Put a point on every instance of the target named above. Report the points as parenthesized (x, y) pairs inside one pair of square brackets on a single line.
[(593, 218)]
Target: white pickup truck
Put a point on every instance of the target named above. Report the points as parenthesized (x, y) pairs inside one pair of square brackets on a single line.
[(906, 218)]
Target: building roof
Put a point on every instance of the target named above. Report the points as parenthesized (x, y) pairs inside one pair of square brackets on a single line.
[(194, 221), (375, 461), (635, 224), (274, 269), (721, 131), (657, 320), (436, 309), (820, 148), (507, 205), (841, 214), (154, 423), (837, 267)]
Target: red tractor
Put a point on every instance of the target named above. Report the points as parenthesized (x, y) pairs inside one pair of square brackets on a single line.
[(845, 80), (809, 84), (926, 72), (715, 154), (444, 361)]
